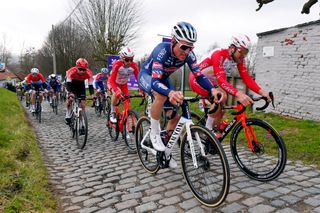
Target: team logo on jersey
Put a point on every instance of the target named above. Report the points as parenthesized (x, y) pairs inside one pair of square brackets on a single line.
[(157, 65), (156, 75)]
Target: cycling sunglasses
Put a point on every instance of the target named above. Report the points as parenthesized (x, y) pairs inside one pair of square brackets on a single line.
[(128, 59), (186, 47), (82, 69)]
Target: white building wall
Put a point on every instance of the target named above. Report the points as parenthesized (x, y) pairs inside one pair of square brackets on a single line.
[(293, 73)]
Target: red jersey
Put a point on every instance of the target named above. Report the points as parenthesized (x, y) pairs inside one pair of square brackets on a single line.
[(31, 79), (120, 75), (72, 74), (214, 66)]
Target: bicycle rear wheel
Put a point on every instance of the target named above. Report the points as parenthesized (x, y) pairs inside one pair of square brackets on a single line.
[(148, 159), (81, 129), (129, 128), (210, 181), (269, 157), (55, 105), (113, 128)]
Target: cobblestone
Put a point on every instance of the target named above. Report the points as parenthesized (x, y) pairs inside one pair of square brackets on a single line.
[(104, 178)]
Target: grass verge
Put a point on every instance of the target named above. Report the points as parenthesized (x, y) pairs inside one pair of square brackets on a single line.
[(23, 177)]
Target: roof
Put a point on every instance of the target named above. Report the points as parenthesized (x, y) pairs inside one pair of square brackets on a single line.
[(282, 29), (5, 74)]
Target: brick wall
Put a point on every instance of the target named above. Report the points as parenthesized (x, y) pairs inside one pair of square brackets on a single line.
[(293, 73)]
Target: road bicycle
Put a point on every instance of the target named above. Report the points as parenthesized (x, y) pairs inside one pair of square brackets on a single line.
[(204, 163), (55, 102), (126, 121), (78, 123), (256, 147), (38, 108), (101, 104)]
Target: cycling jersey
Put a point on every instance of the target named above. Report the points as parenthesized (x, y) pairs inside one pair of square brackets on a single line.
[(72, 74), (215, 65), (120, 75), (54, 84), (161, 64), (98, 81), (75, 81), (35, 79)]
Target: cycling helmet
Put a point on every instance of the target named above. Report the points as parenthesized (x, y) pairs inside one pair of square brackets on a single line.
[(241, 41), (34, 70), (126, 52), (104, 71), (53, 76), (184, 31), (82, 63)]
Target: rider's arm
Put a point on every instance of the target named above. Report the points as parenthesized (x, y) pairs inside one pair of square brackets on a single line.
[(247, 79), (90, 82), (135, 70), (220, 73), (113, 76), (202, 80)]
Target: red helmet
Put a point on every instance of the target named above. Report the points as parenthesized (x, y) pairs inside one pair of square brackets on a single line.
[(82, 63)]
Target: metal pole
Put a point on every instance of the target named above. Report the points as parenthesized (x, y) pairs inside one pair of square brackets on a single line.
[(54, 53)]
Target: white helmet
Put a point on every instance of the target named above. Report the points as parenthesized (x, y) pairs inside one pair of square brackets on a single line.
[(34, 70), (241, 41), (126, 52), (184, 31), (52, 76)]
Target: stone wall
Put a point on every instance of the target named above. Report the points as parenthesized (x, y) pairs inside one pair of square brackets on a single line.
[(293, 72)]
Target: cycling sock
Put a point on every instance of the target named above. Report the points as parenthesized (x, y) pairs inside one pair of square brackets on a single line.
[(112, 108), (155, 126), (209, 122)]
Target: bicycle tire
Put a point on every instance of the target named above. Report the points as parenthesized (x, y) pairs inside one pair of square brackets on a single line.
[(148, 160), (130, 123), (82, 129), (261, 168), (209, 182), (113, 128)]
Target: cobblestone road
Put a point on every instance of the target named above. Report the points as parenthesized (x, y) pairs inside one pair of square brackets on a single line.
[(105, 178)]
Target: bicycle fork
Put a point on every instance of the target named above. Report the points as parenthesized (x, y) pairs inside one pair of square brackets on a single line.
[(248, 131)]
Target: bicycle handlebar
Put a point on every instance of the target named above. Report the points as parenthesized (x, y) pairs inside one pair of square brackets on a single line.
[(195, 99), (243, 108)]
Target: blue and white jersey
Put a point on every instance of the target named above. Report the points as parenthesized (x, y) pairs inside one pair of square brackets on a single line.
[(161, 63)]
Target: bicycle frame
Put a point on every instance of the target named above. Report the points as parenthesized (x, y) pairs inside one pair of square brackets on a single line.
[(124, 114), (184, 122)]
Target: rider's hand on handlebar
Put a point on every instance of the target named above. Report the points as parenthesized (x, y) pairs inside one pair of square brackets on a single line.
[(265, 94), (214, 93), (243, 98), (175, 97)]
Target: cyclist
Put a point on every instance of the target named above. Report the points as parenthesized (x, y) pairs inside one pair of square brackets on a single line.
[(166, 58), (54, 86), (35, 82), (214, 67), (75, 85), (122, 69), (99, 81)]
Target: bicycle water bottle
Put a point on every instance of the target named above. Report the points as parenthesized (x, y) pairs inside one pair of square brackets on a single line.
[(201, 107), (223, 125)]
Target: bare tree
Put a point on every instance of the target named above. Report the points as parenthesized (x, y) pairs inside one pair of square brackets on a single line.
[(5, 54), (27, 59), (110, 24)]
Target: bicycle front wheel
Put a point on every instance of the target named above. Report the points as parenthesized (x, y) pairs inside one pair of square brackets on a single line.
[(147, 158), (82, 129), (129, 128), (113, 128), (210, 180), (269, 156)]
